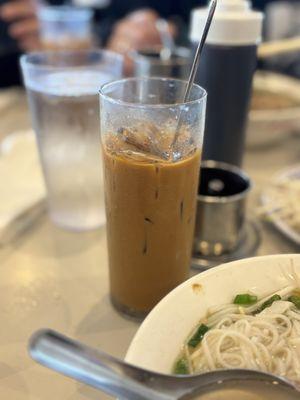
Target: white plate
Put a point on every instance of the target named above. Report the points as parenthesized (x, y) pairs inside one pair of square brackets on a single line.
[(20, 176), (281, 225), (266, 127), (8, 98), (160, 337)]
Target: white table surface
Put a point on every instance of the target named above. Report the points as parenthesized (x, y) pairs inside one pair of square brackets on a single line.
[(53, 278)]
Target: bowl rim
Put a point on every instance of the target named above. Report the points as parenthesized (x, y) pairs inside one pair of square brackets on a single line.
[(133, 348), (212, 164), (280, 83)]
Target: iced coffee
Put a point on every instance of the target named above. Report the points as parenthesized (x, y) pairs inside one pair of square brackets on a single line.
[(151, 184)]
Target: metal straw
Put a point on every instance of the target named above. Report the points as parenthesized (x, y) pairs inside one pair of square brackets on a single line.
[(211, 11)]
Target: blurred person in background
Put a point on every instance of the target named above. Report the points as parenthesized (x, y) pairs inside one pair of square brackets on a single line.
[(18, 32), (121, 25), (137, 29)]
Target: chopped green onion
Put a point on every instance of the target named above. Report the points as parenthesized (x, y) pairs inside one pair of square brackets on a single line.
[(295, 300), (245, 299), (268, 303), (198, 335), (181, 367)]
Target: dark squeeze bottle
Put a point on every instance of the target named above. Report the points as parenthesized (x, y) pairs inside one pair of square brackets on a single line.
[(226, 69)]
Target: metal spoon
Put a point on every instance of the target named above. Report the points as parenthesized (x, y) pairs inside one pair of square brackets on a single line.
[(126, 381)]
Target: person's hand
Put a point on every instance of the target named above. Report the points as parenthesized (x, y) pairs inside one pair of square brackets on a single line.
[(23, 24), (137, 30)]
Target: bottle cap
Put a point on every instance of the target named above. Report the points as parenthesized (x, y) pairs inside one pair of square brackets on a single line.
[(234, 23)]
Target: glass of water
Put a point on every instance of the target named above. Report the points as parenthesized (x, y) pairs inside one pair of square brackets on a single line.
[(65, 28), (62, 89)]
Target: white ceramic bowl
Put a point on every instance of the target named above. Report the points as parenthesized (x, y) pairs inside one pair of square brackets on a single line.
[(159, 339), (266, 127)]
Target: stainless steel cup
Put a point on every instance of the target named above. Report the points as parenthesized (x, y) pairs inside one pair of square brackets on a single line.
[(220, 218), (150, 62)]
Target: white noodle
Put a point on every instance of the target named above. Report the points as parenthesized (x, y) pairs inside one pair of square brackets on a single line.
[(239, 338), (283, 201)]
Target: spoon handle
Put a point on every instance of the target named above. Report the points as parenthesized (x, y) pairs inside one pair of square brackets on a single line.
[(95, 368)]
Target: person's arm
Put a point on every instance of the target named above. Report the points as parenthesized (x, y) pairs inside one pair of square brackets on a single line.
[(23, 23), (137, 30)]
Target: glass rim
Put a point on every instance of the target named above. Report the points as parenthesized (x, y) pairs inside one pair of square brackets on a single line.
[(64, 13), (26, 60), (182, 56), (112, 100), (233, 169)]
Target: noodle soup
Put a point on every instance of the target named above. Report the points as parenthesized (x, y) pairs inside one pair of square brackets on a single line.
[(160, 338), (236, 390), (248, 333)]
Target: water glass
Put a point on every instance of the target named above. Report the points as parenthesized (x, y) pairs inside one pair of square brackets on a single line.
[(65, 28), (151, 62), (62, 89)]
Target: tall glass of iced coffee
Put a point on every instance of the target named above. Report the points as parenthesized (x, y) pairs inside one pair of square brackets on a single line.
[(151, 144)]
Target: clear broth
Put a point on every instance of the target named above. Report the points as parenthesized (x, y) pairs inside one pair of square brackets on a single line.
[(248, 390)]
